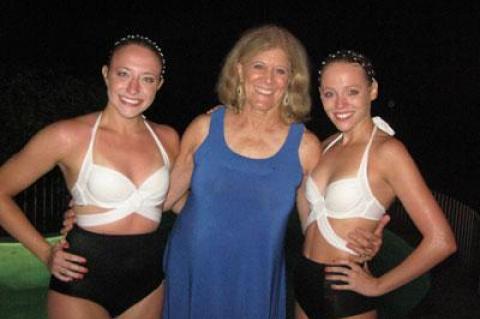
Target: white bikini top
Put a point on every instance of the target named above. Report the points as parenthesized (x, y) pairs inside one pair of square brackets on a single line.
[(107, 188), (346, 198)]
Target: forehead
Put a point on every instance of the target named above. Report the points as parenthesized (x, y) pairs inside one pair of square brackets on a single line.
[(275, 55), (136, 56), (343, 72)]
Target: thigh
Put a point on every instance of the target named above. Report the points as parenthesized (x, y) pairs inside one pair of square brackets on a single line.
[(60, 306), (149, 307)]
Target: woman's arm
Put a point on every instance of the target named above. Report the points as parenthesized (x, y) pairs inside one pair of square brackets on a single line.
[(46, 149), (38, 157), (182, 171), (309, 153)]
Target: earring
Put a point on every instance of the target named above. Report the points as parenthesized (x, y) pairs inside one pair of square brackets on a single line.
[(239, 92), (286, 99)]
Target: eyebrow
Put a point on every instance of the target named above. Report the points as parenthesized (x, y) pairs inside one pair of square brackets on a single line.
[(129, 69)]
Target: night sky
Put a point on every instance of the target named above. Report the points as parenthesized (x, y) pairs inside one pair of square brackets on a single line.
[(426, 56)]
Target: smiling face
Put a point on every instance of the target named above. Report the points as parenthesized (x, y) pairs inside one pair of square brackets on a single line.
[(132, 79), (265, 79), (346, 94)]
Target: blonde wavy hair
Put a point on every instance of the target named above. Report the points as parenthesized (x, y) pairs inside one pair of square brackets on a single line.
[(295, 108)]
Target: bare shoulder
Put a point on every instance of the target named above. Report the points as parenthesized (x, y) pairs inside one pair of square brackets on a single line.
[(68, 132), (57, 143), (165, 132), (389, 148), (310, 141), (310, 151), (168, 136), (392, 156), (199, 127)]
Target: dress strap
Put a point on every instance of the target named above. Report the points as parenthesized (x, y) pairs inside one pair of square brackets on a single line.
[(216, 130)]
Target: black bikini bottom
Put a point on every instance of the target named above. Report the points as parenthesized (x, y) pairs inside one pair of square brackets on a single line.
[(318, 300), (122, 269)]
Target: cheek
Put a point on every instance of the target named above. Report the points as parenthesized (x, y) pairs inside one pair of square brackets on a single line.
[(151, 92), (327, 103), (282, 83), (115, 85)]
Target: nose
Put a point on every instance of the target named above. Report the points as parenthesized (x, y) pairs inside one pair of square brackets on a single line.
[(133, 86), (340, 102), (269, 75)]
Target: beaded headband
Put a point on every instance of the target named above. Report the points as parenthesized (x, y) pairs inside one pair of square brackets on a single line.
[(352, 57), (136, 38)]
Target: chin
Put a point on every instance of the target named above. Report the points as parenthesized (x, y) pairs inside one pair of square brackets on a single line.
[(342, 126), (131, 112)]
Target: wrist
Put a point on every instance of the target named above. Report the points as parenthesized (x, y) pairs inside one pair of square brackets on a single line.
[(46, 254), (381, 286)]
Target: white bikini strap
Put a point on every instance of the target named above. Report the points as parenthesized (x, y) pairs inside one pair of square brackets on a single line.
[(381, 124), (94, 134), (88, 159), (332, 143), (166, 161)]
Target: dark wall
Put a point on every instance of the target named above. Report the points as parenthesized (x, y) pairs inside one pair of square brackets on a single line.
[(426, 56)]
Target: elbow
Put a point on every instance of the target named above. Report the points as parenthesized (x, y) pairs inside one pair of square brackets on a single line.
[(448, 245), (451, 247)]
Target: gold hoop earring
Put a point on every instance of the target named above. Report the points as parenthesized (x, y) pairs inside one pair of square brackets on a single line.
[(286, 100)]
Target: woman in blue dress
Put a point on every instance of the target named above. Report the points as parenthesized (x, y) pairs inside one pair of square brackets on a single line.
[(245, 165)]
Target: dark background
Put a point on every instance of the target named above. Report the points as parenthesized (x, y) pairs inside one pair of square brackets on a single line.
[(426, 56)]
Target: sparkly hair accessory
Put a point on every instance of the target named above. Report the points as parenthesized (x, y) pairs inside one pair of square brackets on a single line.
[(137, 38), (351, 57)]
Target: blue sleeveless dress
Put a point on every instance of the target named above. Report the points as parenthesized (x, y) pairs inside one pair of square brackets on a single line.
[(225, 255)]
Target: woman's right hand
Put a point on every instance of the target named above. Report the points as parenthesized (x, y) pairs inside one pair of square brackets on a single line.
[(68, 221), (66, 266)]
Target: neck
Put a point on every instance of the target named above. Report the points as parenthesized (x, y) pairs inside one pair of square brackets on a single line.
[(114, 121), (260, 119), (360, 132)]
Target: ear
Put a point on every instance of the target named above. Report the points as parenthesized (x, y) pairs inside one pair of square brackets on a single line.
[(105, 73), (160, 84), (373, 90)]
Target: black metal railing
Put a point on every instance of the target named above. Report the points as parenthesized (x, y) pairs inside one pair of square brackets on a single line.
[(44, 203)]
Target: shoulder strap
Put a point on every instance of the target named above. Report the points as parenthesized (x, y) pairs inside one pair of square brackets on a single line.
[(159, 144), (330, 145), (294, 137), (88, 158), (362, 171), (216, 130), (378, 123)]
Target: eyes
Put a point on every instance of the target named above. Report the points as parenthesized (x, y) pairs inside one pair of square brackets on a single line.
[(124, 74), (349, 92), (262, 67)]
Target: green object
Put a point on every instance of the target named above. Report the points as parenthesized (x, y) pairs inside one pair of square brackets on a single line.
[(23, 282), (398, 303)]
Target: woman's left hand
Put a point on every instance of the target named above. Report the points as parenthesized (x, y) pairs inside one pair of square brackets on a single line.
[(354, 277)]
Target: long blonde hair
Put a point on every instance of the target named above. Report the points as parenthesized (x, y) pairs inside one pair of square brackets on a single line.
[(296, 107)]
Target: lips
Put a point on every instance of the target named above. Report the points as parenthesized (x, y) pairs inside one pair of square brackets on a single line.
[(130, 101), (264, 91), (341, 116)]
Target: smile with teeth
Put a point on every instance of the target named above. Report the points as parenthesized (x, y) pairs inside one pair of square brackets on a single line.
[(343, 115), (264, 91), (131, 101)]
